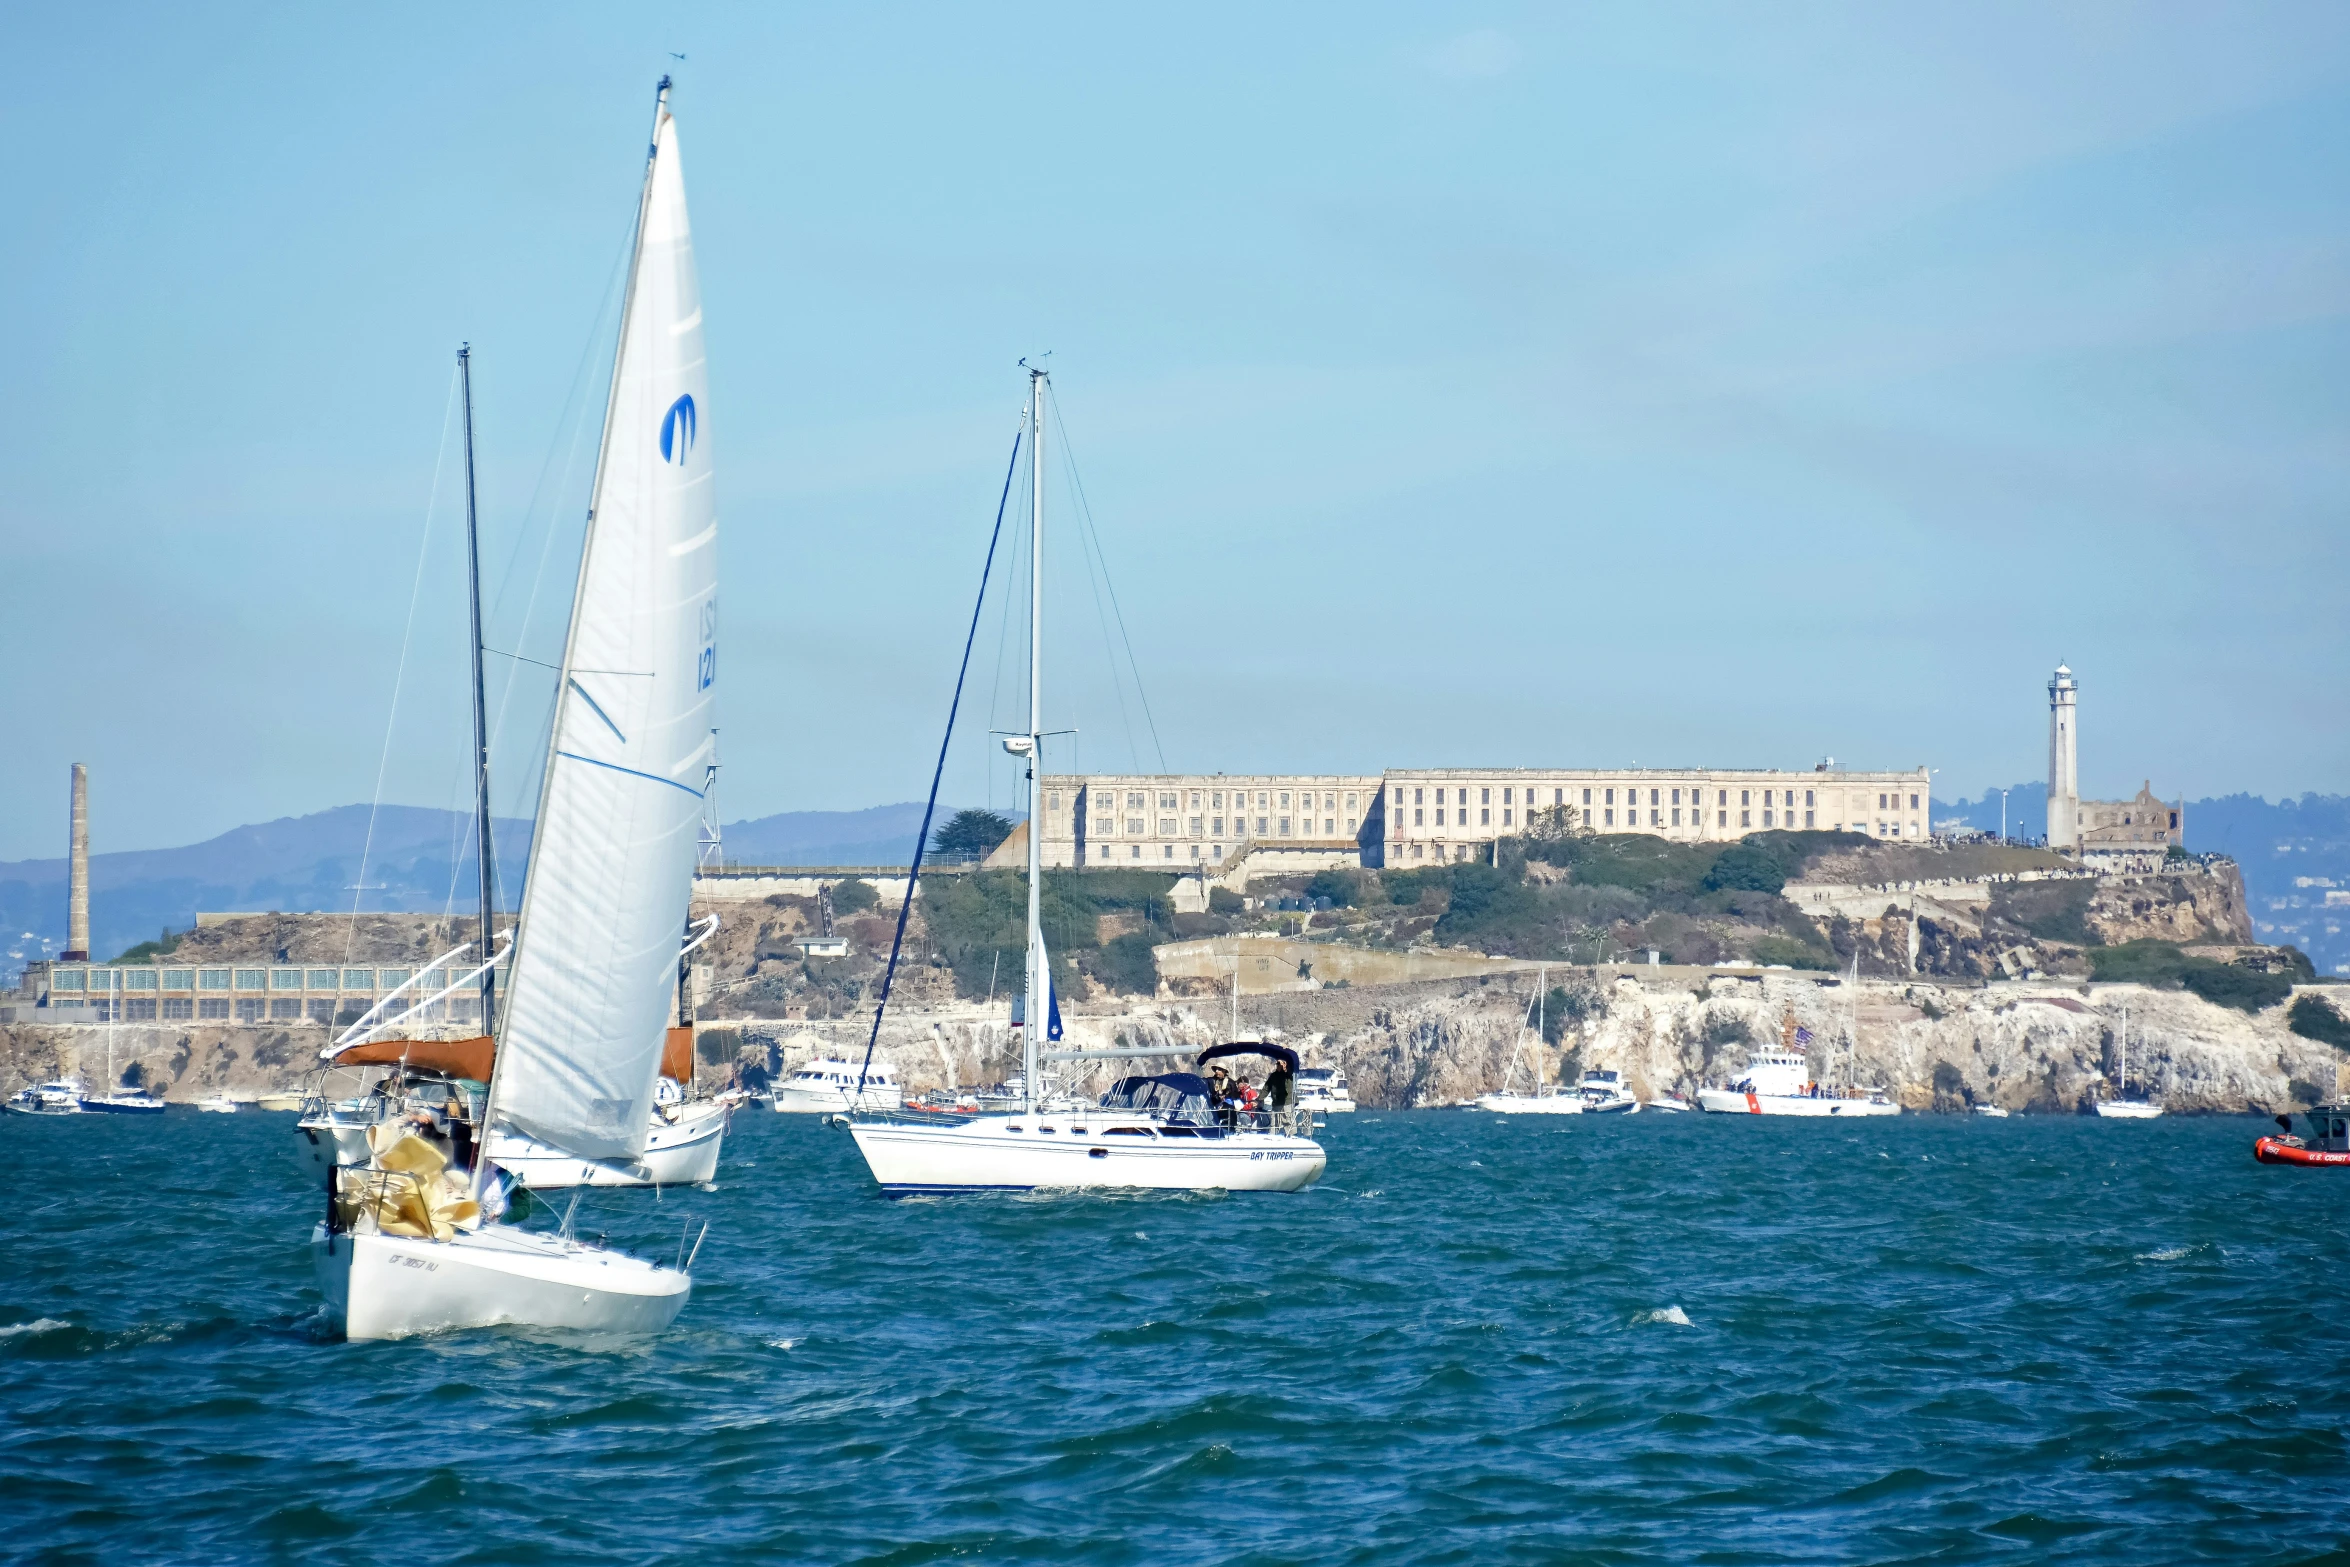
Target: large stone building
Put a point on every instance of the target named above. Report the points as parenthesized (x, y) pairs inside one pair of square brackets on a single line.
[(1449, 813), (1418, 816), (1185, 820)]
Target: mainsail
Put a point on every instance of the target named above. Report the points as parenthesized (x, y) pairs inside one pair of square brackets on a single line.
[(612, 861)]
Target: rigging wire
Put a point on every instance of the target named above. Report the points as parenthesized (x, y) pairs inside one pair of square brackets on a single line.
[(400, 672), (1085, 508), (995, 698), (914, 872)]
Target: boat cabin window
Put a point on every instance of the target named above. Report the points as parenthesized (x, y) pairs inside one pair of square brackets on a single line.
[(1178, 1131), (1126, 1131), (1048, 1130), (1015, 1127), (1077, 1131)]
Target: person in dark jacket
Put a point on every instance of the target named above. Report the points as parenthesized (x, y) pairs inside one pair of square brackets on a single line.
[(1277, 1094)]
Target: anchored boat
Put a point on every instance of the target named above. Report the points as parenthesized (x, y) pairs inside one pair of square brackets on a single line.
[(1146, 1132)]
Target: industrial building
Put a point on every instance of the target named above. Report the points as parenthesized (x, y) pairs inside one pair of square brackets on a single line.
[(1303, 821)]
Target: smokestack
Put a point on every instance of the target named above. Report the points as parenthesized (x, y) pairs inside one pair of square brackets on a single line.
[(77, 897)]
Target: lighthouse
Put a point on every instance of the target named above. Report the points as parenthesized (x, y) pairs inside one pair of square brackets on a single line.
[(2064, 771)]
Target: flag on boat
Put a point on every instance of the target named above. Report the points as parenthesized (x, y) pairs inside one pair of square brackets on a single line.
[(1052, 1008), (1802, 1035)]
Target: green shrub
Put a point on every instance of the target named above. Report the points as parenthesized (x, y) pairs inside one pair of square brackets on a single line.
[(1125, 964), (1483, 901), (853, 896), (2162, 964), (1223, 900), (1342, 888), (2313, 1018), (1746, 867), (1779, 949)]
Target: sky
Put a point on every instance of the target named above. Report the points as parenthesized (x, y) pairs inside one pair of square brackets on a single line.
[(1635, 385)]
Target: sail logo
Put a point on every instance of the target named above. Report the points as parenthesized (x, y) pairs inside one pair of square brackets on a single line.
[(706, 667), (677, 430)]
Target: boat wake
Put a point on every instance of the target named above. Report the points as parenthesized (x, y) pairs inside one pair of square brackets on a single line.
[(1669, 1316), (2168, 1254), (37, 1325)]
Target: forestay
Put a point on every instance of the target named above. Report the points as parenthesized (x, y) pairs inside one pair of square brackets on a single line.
[(612, 865)]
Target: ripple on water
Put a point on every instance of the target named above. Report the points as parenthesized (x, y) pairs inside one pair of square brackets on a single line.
[(1642, 1339)]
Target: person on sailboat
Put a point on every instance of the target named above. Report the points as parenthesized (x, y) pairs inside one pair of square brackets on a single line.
[(1220, 1099), (1278, 1090)]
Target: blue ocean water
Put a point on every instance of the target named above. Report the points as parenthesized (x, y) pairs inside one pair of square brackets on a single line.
[(1609, 1340)]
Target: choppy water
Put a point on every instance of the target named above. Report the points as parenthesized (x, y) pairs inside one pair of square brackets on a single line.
[(1654, 1339)]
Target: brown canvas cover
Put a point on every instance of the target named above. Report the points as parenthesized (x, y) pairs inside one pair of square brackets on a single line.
[(472, 1057)]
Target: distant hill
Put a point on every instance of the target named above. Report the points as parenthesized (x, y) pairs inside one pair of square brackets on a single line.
[(2293, 852), (420, 861)]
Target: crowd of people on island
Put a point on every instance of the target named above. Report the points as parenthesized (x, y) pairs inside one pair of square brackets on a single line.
[(1239, 1103)]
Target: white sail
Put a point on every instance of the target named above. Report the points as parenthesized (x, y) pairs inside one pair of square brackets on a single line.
[(612, 861)]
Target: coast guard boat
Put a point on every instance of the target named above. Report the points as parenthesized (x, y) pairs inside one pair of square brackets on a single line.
[(1778, 1082), (2328, 1142)]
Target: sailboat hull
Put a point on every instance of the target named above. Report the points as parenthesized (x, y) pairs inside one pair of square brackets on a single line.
[(1531, 1104), (391, 1286), (683, 1152), (1026, 1152), (2127, 1109)]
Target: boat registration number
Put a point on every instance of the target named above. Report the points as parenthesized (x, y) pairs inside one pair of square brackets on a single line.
[(419, 1262)]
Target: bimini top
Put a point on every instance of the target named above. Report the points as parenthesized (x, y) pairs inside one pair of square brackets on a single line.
[(1177, 1095), (1245, 1047)]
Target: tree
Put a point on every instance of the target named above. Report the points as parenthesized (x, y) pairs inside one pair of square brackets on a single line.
[(972, 834)]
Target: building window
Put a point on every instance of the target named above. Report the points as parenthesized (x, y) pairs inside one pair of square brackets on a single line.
[(177, 1008), (213, 1010), (1052, 802), (285, 979), (1134, 852), (1722, 797), (251, 979), (1133, 826), (1505, 811), (1880, 805), (1195, 799), (1505, 796), (1198, 825), (1285, 802), (1215, 851), (138, 979), (212, 979), (1913, 802), (1166, 826), (1725, 819), (249, 1011), (1485, 797), (1134, 802), (1219, 821), (140, 1011), (1261, 799), (1350, 825), (358, 979), (1440, 810), (1807, 815), (1611, 797), (1440, 797), (1557, 797), (1656, 818), (1416, 850), (1261, 826), (179, 979), (1745, 797), (1611, 819), (1419, 818), (1284, 826), (1676, 814), (1766, 815), (285, 1009)]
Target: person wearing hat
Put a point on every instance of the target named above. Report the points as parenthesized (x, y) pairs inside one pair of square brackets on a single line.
[(1220, 1093)]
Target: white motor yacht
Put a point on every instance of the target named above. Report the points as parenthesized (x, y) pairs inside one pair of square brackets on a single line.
[(62, 1096), (830, 1084), (1603, 1093), (218, 1104), (1324, 1090), (1777, 1082)]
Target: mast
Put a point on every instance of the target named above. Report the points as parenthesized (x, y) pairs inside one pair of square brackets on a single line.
[(481, 723), (1039, 976)]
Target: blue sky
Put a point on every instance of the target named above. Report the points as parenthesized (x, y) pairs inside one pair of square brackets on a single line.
[(1660, 385)]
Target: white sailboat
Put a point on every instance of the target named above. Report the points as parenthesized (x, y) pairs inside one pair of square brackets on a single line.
[(1544, 1098), (1149, 1132), (409, 1244), (2122, 1107)]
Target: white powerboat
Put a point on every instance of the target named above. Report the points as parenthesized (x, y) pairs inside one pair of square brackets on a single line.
[(1147, 1132), (218, 1104), (1324, 1090), (1778, 1082), (62, 1096), (1604, 1093), (410, 1244), (830, 1084), (1993, 1112)]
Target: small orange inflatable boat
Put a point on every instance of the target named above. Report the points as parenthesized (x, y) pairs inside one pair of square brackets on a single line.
[(2328, 1141)]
